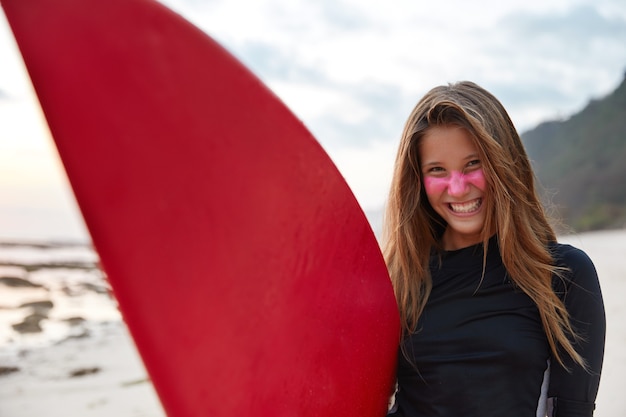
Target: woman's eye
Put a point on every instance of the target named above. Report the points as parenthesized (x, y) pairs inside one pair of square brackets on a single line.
[(473, 163)]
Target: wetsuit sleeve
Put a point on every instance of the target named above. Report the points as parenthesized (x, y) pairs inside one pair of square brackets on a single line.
[(574, 392)]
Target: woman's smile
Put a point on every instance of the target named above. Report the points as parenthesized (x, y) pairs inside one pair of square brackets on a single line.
[(469, 207)]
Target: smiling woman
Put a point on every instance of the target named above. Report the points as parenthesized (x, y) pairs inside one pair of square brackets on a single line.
[(485, 291)]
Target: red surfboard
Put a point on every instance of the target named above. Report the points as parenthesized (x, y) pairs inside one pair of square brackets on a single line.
[(244, 267)]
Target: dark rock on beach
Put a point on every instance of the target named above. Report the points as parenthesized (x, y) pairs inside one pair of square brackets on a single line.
[(17, 282), (5, 370), (84, 371), (39, 306), (98, 289), (74, 321), (30, 324)]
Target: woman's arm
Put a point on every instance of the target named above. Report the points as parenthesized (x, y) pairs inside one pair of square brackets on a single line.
[(574, 391)]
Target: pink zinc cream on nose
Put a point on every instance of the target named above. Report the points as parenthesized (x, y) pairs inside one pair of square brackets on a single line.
[(456, 183)]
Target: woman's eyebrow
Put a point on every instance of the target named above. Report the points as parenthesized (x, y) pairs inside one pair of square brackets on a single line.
[(466, 158)]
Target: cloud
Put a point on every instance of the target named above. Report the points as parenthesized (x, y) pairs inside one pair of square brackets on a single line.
[(546, 64), (380, 60), (275, 63), (581, 25), (570, 37), (352, 70), (342, 15), (381, 112)]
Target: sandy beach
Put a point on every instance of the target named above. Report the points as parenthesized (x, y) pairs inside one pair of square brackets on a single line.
[(64, 350), (99, 375)]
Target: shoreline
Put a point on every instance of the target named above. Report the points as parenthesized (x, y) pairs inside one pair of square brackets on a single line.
[(91, 368)]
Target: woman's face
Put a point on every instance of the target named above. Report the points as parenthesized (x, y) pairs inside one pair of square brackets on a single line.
[(454, 183)]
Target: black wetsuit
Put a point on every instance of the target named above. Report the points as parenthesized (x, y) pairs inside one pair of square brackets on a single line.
[(480, 349)]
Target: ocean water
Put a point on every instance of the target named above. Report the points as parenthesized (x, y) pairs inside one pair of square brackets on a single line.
[(58, 288)]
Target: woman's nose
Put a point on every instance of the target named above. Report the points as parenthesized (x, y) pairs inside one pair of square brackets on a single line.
[(458, 184)]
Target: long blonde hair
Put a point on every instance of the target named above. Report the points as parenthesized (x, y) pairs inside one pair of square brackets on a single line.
[(412, 228)]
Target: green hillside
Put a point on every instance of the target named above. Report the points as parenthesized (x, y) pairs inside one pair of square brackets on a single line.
[(581, 164)]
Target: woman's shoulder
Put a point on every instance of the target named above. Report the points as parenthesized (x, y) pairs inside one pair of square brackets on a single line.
[(566, 255), (578, 268)]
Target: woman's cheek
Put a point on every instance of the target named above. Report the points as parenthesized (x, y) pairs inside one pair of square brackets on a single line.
[(434, 185), (477, 179)]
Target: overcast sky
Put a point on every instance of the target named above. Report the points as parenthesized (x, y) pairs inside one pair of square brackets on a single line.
[(351, 70)]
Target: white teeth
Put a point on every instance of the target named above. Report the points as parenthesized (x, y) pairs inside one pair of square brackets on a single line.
[(466, 207)]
